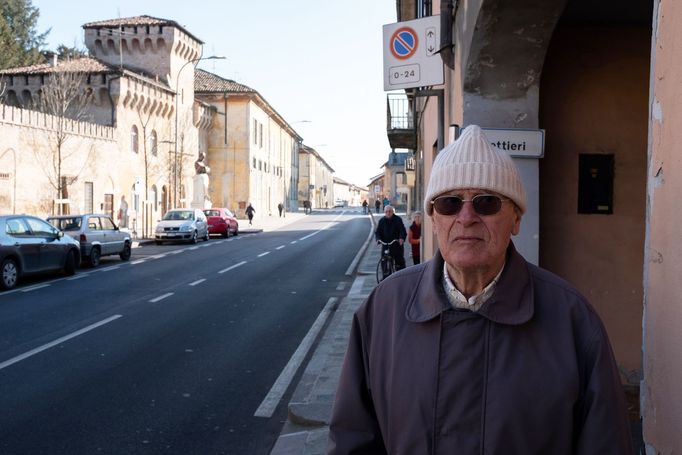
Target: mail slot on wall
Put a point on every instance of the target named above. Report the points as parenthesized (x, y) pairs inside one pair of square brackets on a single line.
[(595, 183)]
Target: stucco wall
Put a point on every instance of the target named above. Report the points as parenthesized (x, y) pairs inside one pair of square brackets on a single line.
[(661, 391), (594, 101)]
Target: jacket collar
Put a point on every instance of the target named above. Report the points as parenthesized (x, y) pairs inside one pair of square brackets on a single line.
[(511, 303)]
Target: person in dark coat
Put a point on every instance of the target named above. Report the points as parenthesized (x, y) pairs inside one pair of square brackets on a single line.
[(389, 228), (414, 237), (476, 350), (249, 212), (377, 205), (280, 207)]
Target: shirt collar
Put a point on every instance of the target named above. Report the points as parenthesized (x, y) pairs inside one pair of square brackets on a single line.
[(473, 303)]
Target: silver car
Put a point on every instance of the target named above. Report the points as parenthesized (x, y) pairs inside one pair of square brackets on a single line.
[(182, 224), (30, 245), (97, 234)]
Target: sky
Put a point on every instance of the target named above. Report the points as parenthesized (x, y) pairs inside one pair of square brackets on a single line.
[(318, 63)]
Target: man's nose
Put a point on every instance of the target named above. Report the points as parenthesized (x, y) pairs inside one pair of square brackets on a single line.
[(467, 214)]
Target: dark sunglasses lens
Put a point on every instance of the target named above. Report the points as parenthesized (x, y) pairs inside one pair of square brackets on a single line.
[(450, 205), (486, 204)]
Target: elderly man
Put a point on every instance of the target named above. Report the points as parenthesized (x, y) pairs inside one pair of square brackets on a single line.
[(390, 228), (476, 350)]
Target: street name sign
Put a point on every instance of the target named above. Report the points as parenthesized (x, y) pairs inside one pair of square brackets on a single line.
[(410, 54), (519, 143)]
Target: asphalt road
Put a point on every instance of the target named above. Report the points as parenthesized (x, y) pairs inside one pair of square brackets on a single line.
[(172, 352)]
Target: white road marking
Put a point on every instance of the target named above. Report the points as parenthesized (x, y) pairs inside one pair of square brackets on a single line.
[(44, 347), (239, 264), (157, 256), (176, 251), (193, 247), (279, 247), (309, 235), (139, 261), (341, 286), (269, 404), (33, 288), (106, 269), (263, 254), (294, 242), (78, 277), (197, 282), (161, 297)]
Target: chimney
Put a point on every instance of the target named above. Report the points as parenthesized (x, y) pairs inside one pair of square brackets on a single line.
[(55, 59)]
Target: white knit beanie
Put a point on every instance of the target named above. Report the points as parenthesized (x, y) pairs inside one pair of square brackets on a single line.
[(472, 162)]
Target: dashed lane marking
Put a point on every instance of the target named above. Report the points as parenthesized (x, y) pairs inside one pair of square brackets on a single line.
[(161, 297), (263, 254), (239, 264), (194, 283)]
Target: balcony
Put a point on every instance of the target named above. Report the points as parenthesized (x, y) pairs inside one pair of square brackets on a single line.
[(400, 122)]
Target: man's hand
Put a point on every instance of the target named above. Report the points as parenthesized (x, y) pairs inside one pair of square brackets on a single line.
[(401, 241)]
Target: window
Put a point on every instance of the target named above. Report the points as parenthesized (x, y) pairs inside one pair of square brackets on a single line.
[(134, 147), (16, 227), (153, 143), (260, 135), (155, 198), (255, 132), (88, 197), (40, 228), (254, 164), (107, 223)]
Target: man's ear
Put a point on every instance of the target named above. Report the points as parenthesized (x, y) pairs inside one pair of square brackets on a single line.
[(516, 227)]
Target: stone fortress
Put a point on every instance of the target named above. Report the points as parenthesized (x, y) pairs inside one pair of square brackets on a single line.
[(149, 116)]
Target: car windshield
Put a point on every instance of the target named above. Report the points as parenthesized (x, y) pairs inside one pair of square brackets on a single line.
[(212, 212), (66, 224), (179, 215)]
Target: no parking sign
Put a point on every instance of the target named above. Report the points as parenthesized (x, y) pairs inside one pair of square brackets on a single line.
[(410, 54)]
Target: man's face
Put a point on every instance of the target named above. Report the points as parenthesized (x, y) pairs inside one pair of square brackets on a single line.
[(468, 241), (388, 212)]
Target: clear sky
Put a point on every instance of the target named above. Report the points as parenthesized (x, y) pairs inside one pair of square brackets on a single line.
[(318, 63)]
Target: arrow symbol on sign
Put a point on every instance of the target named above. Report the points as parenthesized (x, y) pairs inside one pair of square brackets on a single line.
[(431, 49), (430, 34)]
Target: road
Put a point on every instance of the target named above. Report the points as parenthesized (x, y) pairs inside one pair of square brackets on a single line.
[(174, 351)]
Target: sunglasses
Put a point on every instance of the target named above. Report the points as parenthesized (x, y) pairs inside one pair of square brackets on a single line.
[(484, 204)]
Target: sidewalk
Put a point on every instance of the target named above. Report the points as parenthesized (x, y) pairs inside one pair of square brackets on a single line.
[(305, 431)]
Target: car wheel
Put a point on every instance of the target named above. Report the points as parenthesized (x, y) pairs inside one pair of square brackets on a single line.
[(10, 274), (236, 231), (125, 254), (226, 234), (207, 237), (94, 258), (194, 237), (70, 264)]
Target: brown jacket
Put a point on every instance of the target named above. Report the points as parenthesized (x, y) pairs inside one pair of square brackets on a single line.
[(531, 373)]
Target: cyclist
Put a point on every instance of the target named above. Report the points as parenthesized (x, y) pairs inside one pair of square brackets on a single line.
[(391, 227)]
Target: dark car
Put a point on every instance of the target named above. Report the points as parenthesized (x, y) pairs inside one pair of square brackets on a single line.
[(31, 245), (97, 234), (221, 221)]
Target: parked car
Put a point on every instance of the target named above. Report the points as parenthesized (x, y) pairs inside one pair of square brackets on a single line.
[(182, 224), (30, 245), (97, 234), (221, 221)]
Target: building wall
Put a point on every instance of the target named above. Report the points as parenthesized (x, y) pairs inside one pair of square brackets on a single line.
[(662, 350), (594, 101)]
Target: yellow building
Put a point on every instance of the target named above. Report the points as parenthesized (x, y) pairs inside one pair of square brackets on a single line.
[(252, 150), (316, 180)]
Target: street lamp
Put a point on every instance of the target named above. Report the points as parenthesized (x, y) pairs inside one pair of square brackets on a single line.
[(175, 157)]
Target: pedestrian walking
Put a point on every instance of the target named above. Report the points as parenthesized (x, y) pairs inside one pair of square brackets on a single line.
[(280, 207), (364, 207), (377, 205), (123, 213), (477, 350), (414, 234), (249, 213)]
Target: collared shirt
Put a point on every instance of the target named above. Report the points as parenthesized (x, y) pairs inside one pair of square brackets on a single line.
[(458, 300)]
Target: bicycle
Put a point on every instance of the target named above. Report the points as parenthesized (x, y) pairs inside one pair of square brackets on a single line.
[(386, 265)]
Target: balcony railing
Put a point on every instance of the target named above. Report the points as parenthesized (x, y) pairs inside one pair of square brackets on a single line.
[(400, 122)]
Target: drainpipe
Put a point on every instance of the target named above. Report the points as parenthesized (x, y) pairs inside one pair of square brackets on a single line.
[(447, 16)]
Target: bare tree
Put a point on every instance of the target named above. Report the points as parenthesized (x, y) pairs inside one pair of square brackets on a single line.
[(66, 98)]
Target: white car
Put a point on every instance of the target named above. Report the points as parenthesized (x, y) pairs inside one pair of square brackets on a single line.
[(186, 225)]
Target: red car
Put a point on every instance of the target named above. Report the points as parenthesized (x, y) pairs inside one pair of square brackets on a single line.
[(221, 221)]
